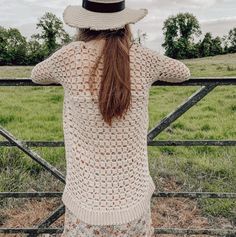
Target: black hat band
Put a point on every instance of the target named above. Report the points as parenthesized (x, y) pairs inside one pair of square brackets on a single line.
[(103, 7)]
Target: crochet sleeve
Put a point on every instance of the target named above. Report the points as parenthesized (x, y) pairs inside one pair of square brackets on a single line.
[(51, 69), (167, 69)]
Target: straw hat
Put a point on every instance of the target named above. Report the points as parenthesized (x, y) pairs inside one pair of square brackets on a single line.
[(102, 15)]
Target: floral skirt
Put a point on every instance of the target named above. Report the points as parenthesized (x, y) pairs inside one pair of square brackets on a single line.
[(74, 227)]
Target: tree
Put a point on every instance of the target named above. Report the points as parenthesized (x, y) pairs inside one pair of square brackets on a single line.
[(16, 47), (35, 52), (179, 32), (51, 31), (12, 47), (217, 46), (210, 46), (3, 45), (225, 43), (206, 45), (232, 40)]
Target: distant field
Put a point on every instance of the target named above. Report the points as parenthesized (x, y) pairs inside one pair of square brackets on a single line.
[(15, 71), (222, 65), (34, 113)]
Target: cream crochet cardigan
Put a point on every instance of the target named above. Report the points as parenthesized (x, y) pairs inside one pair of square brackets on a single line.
[(107, 178)]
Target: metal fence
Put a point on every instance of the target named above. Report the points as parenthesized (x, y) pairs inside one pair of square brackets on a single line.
[(207, 85)]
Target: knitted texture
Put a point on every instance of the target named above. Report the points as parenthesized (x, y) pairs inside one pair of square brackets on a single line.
[(107, 178)]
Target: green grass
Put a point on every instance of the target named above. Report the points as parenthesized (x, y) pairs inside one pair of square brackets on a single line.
[(199, 168), (35, 113), (15, 72), (222, 65)]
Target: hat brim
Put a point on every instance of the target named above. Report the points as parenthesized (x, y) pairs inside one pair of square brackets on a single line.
[(78, 17)]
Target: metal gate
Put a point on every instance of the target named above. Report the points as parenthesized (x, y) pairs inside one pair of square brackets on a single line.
[(207, 85)]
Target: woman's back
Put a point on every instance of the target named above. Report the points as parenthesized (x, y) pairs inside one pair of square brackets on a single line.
[(107, 180)]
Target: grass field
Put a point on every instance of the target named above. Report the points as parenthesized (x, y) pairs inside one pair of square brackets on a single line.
[(35, 113)]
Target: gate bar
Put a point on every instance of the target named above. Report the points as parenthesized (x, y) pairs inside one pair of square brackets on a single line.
[(32, 154)]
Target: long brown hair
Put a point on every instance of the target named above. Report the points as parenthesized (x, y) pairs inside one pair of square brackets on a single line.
[(115, 89)]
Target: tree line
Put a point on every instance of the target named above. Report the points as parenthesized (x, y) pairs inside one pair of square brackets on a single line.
[(16, 50), (180, 34)]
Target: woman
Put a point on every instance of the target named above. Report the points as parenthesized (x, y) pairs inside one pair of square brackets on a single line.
[(106, 79)]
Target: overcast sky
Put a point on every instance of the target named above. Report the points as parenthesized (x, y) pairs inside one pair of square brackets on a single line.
[(216, 16)]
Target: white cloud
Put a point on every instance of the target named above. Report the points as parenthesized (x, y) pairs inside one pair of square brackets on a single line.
[(219, 20), (218, 26), (174, 3)]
